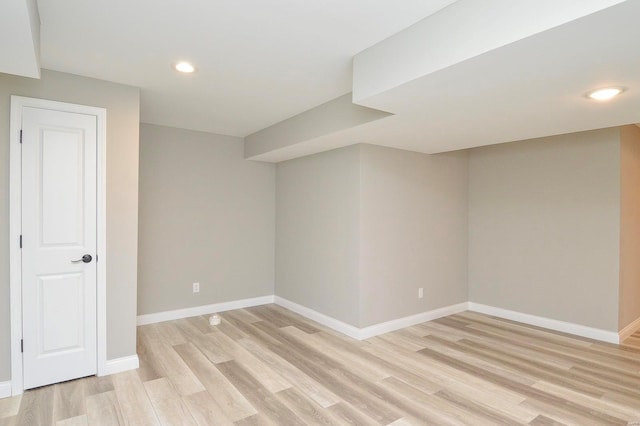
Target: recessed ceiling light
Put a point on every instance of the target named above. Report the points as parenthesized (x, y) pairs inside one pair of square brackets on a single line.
[(184, 67), (606, 93)]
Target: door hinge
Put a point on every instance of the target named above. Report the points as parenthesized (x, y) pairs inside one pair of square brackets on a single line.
[(20, 135), (20, 241), (21, 345)]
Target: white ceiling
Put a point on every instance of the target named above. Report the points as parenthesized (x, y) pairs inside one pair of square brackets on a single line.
[(489, 84), (452, 74), (20, 35), (259, 61), (533, 87)]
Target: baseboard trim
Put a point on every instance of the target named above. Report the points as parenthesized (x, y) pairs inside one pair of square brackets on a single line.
[(337, 325), (551, 324), (629, 330), (202, 310), (5, 389), (373, 330), (397, 324), (388, 326), (118, 365)]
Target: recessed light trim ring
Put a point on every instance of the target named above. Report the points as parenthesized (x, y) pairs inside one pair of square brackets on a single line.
[(184, 67), (605, 93)]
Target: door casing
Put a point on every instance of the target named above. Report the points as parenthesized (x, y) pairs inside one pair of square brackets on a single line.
[(15, 225)]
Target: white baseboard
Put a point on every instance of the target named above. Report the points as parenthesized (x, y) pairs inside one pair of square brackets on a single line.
[(203, 310), (5, 389), (385, 327), (629, 330), (373, 330), (565, 327), (119, 365), (397, 324), (337, 325)]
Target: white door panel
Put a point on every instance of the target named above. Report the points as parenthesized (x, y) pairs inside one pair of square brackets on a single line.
[(62, 187), (58, 228)]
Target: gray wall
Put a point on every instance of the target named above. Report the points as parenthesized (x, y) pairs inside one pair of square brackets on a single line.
[(629, 225), (317, 232), (544, 220), (206, 215), (122, 104), (360, 228), (413, 232)]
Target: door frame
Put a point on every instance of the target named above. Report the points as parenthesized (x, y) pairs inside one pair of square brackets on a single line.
[(15, 225)]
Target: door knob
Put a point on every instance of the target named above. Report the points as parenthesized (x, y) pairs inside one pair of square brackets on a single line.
[(86, 259)]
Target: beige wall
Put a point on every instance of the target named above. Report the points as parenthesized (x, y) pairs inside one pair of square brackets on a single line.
[(206, 215), (629, 226), (317, 234), (122, 104), (361, 228), (544, 218), (413, 216)]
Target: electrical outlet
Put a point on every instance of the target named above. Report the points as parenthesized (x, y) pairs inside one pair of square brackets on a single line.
[(196, 287), (420, 293)]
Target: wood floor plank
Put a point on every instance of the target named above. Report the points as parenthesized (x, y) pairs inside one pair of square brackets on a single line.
[(346, 414), (406, 342), (263, 400), (103, 409), (544, 348), (545, 421), (267, 377), (169, 333), (68, 400), (202, 324), (94, 385), (256, 420), (306, 384), (36, 408), (531, 393), (445, 332), (531, 368), (525, 329), (237, 330), (443, 376), (630, 414), (244, 316), (499, 415), (427, 407), (8, 421), (234, 405), (334, 376), (74, 421), (304, 408), (586, 353), (357, 363), (205, 410), (269, 366), (9, 406), (287, 318), (149, 368), (194, 336), (167, 403), (269, 314), (560, 415), (134, 403), (170, 365)]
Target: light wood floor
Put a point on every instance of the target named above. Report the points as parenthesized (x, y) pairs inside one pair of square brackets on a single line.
[(266, 365), (633, 340)]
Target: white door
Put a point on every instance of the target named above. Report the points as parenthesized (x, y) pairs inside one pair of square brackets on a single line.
[(59, 171)]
